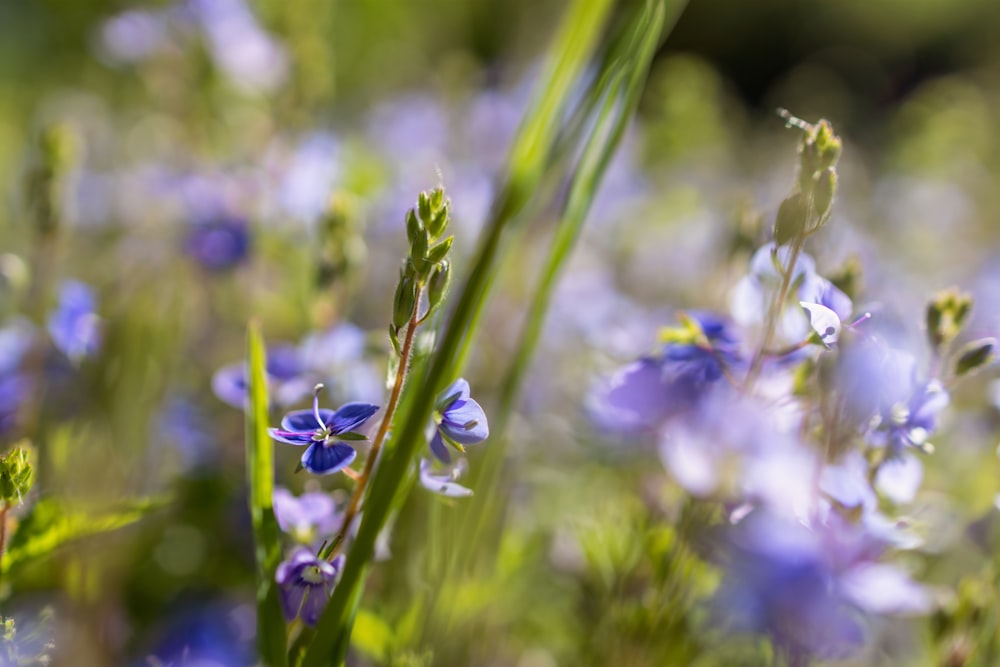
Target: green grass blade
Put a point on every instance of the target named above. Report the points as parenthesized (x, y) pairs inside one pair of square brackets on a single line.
[(627, 67), (576, 41), (271, 641)]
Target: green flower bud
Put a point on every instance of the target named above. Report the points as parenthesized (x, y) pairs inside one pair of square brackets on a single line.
[(791, 219), (828, 144), (16, 473), (440, 251), (974, 355), (439, 222), (946, 314), (414, 228), (424, 207), (405, 301), (437, 285), (824, 188)]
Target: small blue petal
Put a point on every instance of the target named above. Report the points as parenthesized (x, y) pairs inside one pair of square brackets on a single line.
[(467, 424), (350, 416), (439, 448), (323, 459), (459, 388), (297, 438), (443, 483), (305, 420)]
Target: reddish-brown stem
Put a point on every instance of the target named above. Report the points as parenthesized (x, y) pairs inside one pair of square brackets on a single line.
[(397, 388)]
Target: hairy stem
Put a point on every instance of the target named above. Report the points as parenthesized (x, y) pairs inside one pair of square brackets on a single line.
[(397, 389)]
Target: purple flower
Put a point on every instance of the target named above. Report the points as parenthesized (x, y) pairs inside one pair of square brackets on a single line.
[(324, 431), (307, 518), (812, 589), (908, 424), (74, 326), (460, 421), (443, 482), (338, 356), (15, 386), (287, 377), (239, 46), (219, 244), (693, 358), (306, 583)]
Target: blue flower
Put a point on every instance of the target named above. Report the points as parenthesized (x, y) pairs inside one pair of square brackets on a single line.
[(287, 377), (305, 583), (812, 589), (74, 325), (692, 359), (15, 386), (460, 421), (319, 429), (443, 482), (218, 244)]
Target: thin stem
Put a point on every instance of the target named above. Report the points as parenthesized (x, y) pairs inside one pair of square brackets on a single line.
[(3, 526), (777, 309), (383, 430)]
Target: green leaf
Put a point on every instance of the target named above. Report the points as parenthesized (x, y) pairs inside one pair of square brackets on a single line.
[(51, 523), (351, 436), (271, 643)]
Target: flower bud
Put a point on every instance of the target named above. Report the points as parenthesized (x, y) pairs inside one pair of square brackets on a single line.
[(437, 285), (974, 355), (946, 315), (791, 219), (405, 301), (16, 473), (824, 188)]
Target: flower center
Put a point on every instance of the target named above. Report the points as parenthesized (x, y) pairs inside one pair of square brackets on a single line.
[(312, 575)]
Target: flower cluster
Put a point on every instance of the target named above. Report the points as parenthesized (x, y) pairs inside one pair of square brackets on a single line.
[(799, 419)]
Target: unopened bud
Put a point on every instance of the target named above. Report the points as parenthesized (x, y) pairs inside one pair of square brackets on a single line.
[(824, 188), (437, 285), (16, 473), (791, 219), (405, 301), (974, 355)]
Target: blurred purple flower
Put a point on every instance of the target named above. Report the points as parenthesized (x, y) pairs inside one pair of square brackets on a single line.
[(133, 36), (243, 50), (459, 421), (741, 448), (324, 431), (211, 634), (288, 378), (15, 386), (751, 298), (337, 355), (812, 589), (219, 244), (306, 584), (442, 482), (658, 387), (74, 325), (306, 176), (307, 518)]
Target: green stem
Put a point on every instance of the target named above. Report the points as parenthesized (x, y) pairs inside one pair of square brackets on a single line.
[(578, 35), (774, 313)]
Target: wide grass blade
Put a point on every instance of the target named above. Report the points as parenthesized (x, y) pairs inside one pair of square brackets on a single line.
[(271, 640), (578, 36)]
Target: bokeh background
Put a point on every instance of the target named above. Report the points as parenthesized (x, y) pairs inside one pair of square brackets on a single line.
[(197, 163)]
